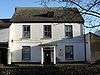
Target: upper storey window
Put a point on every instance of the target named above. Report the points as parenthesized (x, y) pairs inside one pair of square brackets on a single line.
[(26, 31), (68, 31), (47, 31)]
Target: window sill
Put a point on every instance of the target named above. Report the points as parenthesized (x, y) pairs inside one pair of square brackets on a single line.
[(69, 37), (25, 38), (45, 38), (69, 59), (27, 60)]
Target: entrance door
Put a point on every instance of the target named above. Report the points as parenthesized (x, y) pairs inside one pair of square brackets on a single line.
[(47, 56)]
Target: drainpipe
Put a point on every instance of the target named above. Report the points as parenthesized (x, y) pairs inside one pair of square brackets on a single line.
[(85, 47)]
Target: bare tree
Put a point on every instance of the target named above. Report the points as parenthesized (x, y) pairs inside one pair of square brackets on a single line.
[(89, 9)]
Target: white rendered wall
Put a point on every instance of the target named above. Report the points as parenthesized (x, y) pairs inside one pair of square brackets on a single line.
[(58, 36), (4, 34)]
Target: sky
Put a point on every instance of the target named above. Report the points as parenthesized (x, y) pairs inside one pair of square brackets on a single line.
[(7, 7)]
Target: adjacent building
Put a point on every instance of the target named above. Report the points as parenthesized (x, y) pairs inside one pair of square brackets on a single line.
[(93, 47), (4, 37)]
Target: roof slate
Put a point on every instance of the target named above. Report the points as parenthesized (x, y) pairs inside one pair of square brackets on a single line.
[(4, 23), (41, 14)]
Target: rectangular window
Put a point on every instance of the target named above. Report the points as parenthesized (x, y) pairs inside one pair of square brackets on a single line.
[(68, 52), (26, 53), (26, 31), (68, 31), (47, 31)]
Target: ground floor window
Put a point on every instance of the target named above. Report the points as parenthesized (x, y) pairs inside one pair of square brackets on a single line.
[(26, 53), (68, 52)]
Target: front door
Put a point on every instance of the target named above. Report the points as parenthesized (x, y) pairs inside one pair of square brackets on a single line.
[(47, 56)]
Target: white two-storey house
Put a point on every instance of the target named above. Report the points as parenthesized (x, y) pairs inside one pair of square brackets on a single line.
[(46, 35)]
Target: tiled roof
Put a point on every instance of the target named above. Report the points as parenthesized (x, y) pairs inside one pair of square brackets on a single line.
[(40, 14), (4, 23)]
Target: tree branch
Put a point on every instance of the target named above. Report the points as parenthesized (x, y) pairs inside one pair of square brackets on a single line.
[(92, 26), (88, 10), (98, 16)]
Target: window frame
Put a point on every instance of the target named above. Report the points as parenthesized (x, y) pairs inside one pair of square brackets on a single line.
[(69, 32), (71, 57), (24, 53), (49, 33), (28, 33)]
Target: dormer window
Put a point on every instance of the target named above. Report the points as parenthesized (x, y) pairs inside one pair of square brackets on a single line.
[(50, 14)]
